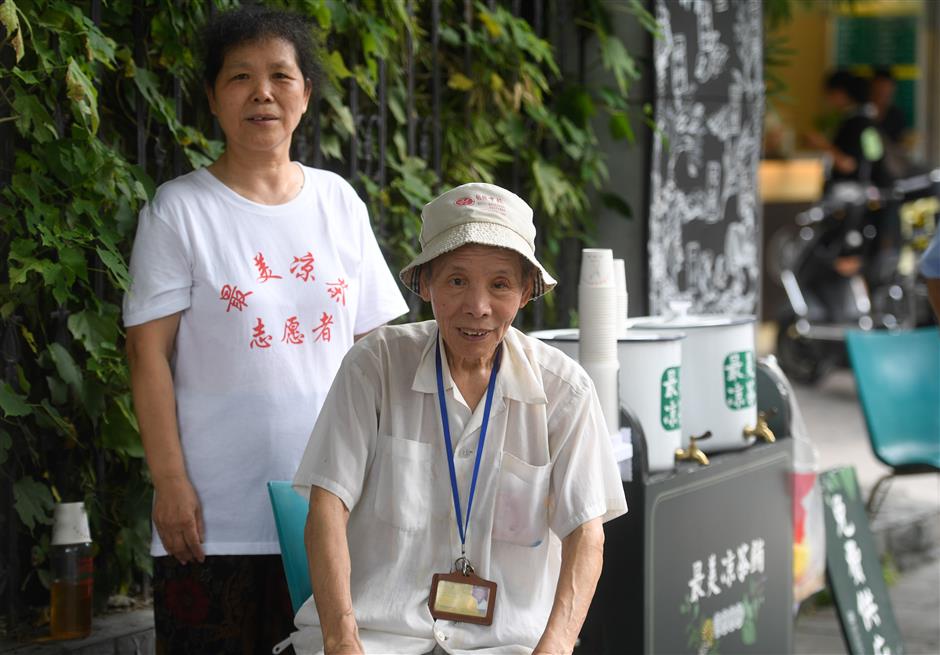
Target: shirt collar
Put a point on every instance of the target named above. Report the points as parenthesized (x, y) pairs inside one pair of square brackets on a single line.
[(516, 380)]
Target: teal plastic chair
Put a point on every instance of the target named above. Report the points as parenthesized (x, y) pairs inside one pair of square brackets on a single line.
[(290, 515), (898, 379)]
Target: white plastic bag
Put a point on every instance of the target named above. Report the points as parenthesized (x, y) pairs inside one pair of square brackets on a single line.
[(809, 528)]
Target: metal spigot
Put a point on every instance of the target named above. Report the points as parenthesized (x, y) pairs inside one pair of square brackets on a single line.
[(761, 430), (693, 452)]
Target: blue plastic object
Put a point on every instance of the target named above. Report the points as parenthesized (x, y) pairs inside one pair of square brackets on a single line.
[(898, 379), (290, 515)]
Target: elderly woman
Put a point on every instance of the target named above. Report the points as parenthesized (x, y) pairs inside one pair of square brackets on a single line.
[(460, 471), (251, 279)]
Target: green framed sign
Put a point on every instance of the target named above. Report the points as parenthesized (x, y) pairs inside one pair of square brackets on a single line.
[(853, 570)]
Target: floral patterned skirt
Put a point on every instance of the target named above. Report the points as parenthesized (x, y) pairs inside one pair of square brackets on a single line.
[(227, 604)]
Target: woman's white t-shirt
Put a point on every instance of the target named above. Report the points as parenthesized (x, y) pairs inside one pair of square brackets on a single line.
[(271, 297)]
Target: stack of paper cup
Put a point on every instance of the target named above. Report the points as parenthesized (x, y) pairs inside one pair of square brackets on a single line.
[(620, 287), (597, 310)]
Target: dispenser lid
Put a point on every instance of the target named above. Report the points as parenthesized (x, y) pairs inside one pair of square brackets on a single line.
[(627, 336), (678, 318)]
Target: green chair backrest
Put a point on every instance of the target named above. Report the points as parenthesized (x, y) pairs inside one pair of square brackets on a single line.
[(290, 515), (898, 379)]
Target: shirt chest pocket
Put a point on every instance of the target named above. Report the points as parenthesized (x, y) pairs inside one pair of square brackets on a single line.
[(521, 515), (404, 484)]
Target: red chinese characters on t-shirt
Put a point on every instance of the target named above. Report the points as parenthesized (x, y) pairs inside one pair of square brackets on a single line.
[(292, 333), (322, 331), (258, 336), (302, 267), (236, 298), (264, 271), (337, 290)]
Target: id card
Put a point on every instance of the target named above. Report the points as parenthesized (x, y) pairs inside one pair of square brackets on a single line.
[(459, 597)]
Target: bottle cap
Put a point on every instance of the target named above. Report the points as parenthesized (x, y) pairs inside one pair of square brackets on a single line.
[(70, 524)]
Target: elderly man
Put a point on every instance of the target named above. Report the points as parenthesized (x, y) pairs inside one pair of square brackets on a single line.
[(459, 472)]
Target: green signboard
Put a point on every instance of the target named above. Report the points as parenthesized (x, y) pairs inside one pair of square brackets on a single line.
[(853, 570), (669, 399), (882, 42), (740, 386)]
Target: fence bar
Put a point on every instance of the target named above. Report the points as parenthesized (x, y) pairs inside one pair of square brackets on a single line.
[(383, 137), (140, 58), (354, 110), (410, 102), (317, 153), (177, 148), (435, 89), (467, 55), (10, 569)]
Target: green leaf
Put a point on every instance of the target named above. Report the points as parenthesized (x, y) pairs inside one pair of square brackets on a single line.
[(620, 127), (97, 330), (617, 203), (58, 390), (12, 403), (73, 260), (397, 109), (460, 82), (337, 66), (342, 113), (617, 60), (116, 267), (576, 104), (25, 76), (81, 91), (118, 433), (100, 47), (11, 23), (65, 365), (33, 502), (32, 118)]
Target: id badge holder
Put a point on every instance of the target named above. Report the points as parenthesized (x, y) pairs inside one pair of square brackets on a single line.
[(462, 597)]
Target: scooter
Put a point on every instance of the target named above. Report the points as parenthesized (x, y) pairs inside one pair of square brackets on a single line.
[(850, 263)]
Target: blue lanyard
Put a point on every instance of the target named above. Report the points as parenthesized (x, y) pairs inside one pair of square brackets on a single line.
[(461, 524)]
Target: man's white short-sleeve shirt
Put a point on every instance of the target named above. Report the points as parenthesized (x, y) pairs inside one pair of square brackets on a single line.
[(547, 467)]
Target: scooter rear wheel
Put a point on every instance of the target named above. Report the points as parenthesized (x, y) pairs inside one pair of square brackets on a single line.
[(804, 361)]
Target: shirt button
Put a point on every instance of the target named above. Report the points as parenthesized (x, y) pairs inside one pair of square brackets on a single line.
[(440, 635), (465, 452)]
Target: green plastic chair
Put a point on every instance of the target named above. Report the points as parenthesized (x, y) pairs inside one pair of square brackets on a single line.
[(898, 379), (290, 515)]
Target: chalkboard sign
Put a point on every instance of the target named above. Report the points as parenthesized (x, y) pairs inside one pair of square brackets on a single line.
[(704, 211), (854, 570)]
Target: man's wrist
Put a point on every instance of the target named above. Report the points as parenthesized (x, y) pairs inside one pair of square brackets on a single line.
[(552, 642), (340, 632)]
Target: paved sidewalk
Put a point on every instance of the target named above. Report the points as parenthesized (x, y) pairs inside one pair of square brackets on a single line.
[(907, 527), (916, 602)]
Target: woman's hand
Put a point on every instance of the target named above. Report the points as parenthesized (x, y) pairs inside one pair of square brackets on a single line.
[(177, 516)]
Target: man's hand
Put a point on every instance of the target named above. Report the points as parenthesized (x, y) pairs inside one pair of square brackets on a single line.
[(177, 516)]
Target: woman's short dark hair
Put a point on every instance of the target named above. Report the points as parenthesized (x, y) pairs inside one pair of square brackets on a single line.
[(248, 24)]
